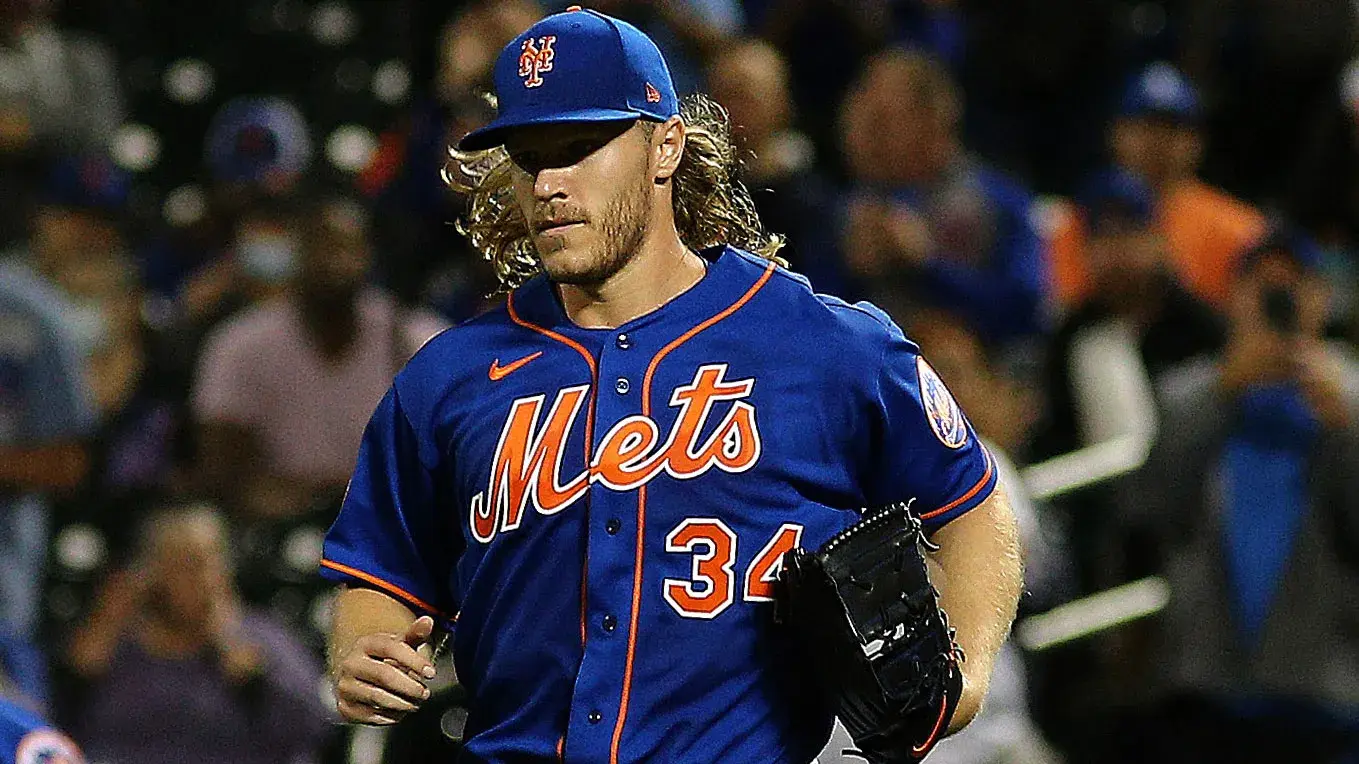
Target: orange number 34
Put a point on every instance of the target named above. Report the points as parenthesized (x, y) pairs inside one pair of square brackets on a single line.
[(711, 586)]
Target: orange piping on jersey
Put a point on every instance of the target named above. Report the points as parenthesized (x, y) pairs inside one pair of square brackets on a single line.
[(641, 504), (589, 361), (938, 723), (589, 435), (387, 587), (567, 341), (990, 465)]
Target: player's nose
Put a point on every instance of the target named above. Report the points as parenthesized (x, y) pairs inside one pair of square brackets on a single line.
[(550, 183)]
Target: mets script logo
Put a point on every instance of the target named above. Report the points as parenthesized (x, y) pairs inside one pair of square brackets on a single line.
[(946, 419), (528, 457), (534, 59)]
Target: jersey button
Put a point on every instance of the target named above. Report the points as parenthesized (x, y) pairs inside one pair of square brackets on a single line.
[(623, 341), (622, 386), (595, 717), (614, 525), (610, 623)]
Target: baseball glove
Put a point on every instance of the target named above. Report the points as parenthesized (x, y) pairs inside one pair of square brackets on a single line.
[(863, 610)]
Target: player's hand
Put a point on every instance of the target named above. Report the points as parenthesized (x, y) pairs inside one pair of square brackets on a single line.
[(382, 677)]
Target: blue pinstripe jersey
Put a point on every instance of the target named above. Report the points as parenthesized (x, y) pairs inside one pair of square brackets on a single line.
[(26, 739), (599, 514)]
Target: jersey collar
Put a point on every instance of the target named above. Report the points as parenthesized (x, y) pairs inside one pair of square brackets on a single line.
[(727, 277)]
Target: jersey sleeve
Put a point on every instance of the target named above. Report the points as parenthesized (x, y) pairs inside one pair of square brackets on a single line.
[(925, 449), (388, 535)]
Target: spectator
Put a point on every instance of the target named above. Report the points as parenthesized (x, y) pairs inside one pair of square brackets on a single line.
[(44, 418), (257, 146), (1253, 486), (750, 79), (926, 220), (135, 447), (257, 262), (828, 41), (284, 389), (177, 668), (58, 95), (1157, 136), (428, 259), (255, 153), (62, 88), (1133, 288)]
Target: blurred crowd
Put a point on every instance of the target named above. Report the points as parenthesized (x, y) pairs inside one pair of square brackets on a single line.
[(1125, 232)]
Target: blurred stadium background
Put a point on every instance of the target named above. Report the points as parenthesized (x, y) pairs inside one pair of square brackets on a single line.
[(1124, 231)]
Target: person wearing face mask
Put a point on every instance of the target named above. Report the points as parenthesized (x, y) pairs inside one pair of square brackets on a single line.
[(1253, 487), (283, 389), (133, 449)]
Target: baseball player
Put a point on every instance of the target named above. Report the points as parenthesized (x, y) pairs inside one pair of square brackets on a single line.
[(593, 488), (26, 739)]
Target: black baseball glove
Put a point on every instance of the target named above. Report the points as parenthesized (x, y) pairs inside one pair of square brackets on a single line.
[(864, 612)]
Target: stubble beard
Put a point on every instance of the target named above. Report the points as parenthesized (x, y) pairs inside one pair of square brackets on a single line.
[(622, 229)]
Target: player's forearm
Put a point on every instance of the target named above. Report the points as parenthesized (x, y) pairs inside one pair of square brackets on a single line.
[(360, 612), (980, 579)]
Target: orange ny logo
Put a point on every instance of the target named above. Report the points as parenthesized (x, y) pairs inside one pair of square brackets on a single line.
[(536, 59)]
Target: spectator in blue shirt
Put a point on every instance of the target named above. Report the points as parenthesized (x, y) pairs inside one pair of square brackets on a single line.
[(925, 222), (44, 415)]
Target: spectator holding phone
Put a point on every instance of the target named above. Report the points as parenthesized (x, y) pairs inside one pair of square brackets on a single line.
[(1252, 484), (175, 667)]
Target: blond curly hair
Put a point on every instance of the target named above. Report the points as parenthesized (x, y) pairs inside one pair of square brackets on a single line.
[(712, 206)]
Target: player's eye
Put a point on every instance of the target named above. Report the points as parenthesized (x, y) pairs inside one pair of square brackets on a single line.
[(528, 161), (580, 149)]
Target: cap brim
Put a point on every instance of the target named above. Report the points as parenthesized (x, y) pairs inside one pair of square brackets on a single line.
[(493, 134)]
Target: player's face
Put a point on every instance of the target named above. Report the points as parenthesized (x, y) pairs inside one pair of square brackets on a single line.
[(585, 191)]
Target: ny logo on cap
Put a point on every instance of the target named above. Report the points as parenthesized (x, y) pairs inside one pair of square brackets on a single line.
[(536, 59)]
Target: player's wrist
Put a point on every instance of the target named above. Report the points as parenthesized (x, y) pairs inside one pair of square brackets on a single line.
[(969, 702)]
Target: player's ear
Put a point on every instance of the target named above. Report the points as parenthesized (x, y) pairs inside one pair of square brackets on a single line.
[(667, 147)]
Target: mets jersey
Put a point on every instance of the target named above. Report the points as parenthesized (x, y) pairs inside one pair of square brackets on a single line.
[(26, 739), (599, 515)]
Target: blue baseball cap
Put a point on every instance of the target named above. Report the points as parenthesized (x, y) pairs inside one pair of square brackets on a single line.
[(1160, 90), (254, 139), (577, 66), (1119, 198)]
